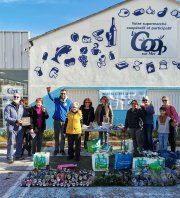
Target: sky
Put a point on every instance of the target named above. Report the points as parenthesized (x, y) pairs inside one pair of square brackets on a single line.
[(40, 16)]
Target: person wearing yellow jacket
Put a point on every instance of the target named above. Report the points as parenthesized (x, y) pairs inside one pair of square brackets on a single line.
[(73, 130)]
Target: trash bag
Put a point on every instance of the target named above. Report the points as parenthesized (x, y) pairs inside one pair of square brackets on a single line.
[(170, 158)]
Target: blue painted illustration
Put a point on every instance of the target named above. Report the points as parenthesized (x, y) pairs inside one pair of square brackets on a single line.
[(162, 13), (175, 13), (54, 72), (176, 64), (150, 67), (83, 60), (111, 36), (136, 65), (141, 41), (139, 12), (74, 37), (101, 62), (69, 62), (150, 10), (95, 50), (98, 34), (65, 49), (163, 64), (84, 50), (121, 65), (38, 71), (45, 56), (86, 39), (111, 55), (123, 12)]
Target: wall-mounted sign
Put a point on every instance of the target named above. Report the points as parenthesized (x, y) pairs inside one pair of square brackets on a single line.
[(148, 38), (121, 99), (8, 91)]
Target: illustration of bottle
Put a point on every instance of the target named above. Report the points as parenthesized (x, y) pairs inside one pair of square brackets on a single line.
[(113, 31), (111, 55)]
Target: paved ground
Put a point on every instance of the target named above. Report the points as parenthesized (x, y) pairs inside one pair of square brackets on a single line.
[(11, 176)]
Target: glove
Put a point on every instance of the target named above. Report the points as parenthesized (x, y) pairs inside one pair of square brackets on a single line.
[(124, 129)]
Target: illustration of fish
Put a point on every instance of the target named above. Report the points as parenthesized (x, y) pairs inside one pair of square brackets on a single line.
[(65, 49)]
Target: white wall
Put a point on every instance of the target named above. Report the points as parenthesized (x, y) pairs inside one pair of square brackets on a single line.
[(109, 76)]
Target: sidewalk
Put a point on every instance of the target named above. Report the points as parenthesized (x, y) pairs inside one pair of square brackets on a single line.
[(11, 176)]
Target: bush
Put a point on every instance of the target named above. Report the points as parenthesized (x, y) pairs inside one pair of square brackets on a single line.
[(48, 135), (4, 134)]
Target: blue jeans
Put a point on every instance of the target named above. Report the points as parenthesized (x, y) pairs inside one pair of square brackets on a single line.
[(163, 141), (147, 136), (10, 144)]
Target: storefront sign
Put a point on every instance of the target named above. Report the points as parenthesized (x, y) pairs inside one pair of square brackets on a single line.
[(148, 38)]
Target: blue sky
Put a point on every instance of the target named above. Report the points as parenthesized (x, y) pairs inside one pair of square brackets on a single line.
[(40, 16)]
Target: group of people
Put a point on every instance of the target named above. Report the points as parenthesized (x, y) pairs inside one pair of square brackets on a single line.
[(139, 122), (68, 120)]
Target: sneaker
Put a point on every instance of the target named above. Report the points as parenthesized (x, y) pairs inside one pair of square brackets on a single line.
[(10, 161), (62, 152), (56, 152), (70, 157)]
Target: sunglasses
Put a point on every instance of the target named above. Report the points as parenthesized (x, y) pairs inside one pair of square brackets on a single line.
[(144, 100), (164, 100), (16, 97), (63, 93)]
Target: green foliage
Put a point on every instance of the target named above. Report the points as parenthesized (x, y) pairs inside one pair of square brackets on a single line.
[(48, 135)]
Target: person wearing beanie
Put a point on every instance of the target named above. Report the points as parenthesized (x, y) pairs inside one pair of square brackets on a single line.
[(13, 114), (73, 130)]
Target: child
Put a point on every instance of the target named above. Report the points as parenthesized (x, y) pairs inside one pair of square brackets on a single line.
[(162, 126), (73, 129)]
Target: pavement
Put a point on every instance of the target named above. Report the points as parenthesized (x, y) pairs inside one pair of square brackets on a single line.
[(12, 174)]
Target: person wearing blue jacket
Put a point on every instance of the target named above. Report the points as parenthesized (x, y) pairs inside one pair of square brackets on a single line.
[(62, 107), (13, 114), (147, 123)]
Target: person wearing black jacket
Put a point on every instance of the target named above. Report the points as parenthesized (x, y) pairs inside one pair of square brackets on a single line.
[(39, 116), (88, 116), (134, 124)]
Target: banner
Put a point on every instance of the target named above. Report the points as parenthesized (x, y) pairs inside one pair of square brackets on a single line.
[(121, 99)]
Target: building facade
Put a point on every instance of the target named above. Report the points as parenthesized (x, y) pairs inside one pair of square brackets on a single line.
[(127, 51)]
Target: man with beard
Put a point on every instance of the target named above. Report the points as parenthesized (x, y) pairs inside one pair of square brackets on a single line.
[(13, 114)]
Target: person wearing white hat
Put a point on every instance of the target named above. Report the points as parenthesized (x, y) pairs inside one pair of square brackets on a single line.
[(13, 114)]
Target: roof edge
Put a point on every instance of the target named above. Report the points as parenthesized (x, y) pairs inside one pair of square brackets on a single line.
[(84, 18)]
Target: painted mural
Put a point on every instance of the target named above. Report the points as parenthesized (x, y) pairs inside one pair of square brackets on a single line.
[(141, 41), (135, 44)]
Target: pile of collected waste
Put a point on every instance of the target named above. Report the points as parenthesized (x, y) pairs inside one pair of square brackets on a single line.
[(55, 178)]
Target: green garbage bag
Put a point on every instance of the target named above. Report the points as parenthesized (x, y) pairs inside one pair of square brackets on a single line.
[(93, 145)]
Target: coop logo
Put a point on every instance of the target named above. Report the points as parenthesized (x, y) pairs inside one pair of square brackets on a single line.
[(12, 91), (141, 41)]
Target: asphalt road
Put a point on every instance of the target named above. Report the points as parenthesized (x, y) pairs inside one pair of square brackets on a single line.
[(11, 176)]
